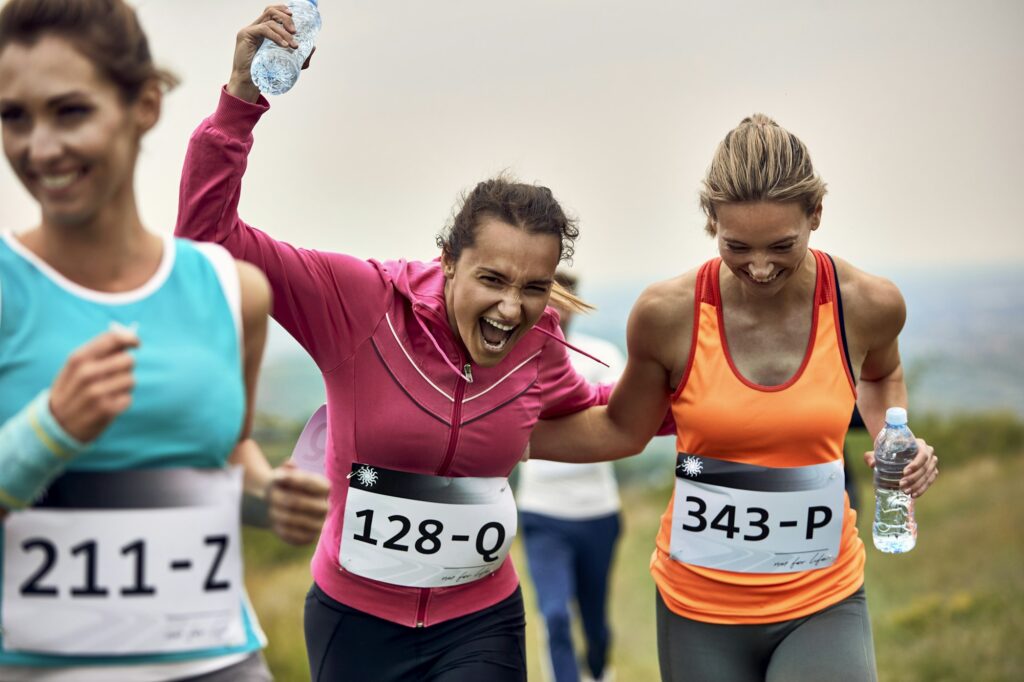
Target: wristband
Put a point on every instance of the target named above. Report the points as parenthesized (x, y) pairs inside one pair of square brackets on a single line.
[(34, 449)]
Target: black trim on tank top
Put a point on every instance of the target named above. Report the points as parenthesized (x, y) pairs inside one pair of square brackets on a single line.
[(842, 318)]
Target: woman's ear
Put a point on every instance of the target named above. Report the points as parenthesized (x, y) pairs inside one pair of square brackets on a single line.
[(147, 107), (447, 266), (816, 217)]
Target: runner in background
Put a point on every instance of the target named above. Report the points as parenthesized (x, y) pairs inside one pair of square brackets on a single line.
[(570, 520), (128, 363), (762, 354)]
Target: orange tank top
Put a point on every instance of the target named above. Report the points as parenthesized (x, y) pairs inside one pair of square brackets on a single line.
[(721, 415)]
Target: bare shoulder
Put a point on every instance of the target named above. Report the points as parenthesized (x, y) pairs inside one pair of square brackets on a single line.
[(255, 292), (870, 302), (661, 322), (666, 303)]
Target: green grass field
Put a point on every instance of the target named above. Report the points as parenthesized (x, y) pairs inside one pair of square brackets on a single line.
[(953, 609)]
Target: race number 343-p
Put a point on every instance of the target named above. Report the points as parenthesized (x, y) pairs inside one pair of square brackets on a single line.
[(753, 519)]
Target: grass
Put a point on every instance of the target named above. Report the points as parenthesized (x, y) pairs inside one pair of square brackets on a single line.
[(953, 609)]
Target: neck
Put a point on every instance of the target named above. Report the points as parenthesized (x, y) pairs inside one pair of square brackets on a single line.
[(111, 251)]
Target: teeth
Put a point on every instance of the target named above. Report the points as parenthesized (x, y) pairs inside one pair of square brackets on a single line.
[(499, 325), (57, 181), (765, 280), (495, 346)]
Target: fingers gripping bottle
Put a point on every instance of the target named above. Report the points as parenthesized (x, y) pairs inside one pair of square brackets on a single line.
[(894, 530), (275, 69)]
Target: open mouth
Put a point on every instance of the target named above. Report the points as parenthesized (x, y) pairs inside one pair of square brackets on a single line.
[(495, 334)]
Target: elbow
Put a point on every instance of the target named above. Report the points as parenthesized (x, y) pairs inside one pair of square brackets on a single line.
[(629, 446)]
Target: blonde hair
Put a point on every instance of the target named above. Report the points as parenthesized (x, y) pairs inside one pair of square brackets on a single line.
[(563, 297), (759, 160)]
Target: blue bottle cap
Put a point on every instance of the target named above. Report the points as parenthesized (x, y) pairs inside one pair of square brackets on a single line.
[(896, 416)]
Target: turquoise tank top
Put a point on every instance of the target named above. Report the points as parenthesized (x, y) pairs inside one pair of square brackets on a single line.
[(188, 404)]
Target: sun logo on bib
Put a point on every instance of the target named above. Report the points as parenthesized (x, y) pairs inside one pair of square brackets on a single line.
[(367, 476), (692, 466)]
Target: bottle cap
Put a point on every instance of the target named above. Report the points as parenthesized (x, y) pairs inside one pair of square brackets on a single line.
[(896, 416)]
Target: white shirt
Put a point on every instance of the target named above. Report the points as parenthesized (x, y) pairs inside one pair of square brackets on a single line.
[(575, 491)]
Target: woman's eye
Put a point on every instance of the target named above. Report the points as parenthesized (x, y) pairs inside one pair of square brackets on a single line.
[(73, 111), (11, 115), (488, 279), (735, 248)]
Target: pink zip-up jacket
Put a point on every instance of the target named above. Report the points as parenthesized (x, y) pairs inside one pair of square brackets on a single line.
[(377, 331)]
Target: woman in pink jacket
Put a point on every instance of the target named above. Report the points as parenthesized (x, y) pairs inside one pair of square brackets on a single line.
[(435, 375)]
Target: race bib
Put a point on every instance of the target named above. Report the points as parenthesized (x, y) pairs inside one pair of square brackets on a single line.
[(753, 519), (124, 563), (417, 530)]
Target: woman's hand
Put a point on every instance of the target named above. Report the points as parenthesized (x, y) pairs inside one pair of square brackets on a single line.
[(275, 23), (922, 471), (297, 504), (95, 385)]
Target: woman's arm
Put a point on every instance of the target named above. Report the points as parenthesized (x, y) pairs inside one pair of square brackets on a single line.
[(92, 388), (293, 503), (329, 302), (881, 312), (638, 404)]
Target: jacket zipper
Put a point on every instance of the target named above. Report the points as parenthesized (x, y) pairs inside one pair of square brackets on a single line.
[(449, 455), (421, 608), (453, 435)]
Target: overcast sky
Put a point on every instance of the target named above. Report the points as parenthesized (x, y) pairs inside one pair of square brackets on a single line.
[(912, 112)]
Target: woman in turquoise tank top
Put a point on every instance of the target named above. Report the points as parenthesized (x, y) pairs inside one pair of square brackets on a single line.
[(128, 363)]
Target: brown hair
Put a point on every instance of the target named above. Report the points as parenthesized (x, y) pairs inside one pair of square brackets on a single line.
[(529, 207), (759, 160), (106, 32)]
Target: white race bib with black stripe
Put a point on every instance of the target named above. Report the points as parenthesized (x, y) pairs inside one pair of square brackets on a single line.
[(753, 519), (417, 530), (124, 563)]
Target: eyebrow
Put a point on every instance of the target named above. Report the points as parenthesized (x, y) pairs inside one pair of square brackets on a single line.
[(57, 100), (73, 95), (780, 242), (501, 276)]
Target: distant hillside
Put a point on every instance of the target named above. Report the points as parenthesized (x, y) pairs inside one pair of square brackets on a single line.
[(961, 346)]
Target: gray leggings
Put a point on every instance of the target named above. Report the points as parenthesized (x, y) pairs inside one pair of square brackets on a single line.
[(833, 644)]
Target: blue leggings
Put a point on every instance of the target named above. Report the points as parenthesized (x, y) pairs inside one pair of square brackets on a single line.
[(571, 560)]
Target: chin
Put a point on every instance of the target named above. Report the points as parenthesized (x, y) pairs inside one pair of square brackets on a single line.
[(489, 358)]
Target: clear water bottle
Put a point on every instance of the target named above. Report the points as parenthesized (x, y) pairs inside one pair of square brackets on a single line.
[(274, 68), (894, 530)]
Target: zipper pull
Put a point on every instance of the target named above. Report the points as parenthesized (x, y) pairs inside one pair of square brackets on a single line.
[(467, 372)]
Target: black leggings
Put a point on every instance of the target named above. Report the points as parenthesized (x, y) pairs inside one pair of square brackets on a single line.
[(833, 644), (346, 644)]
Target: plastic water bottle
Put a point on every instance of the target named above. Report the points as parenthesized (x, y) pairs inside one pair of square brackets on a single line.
[(894, 530), (274, 68)]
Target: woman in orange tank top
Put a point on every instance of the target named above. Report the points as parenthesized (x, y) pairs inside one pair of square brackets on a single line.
[(761, 355)]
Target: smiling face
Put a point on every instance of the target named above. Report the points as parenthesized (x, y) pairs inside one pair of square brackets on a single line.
[(498, 288), (67, 133), (764, 243)]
